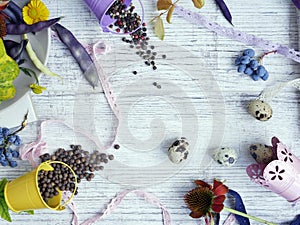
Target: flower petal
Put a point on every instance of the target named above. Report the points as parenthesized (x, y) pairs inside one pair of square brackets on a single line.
[(219, 188), (219, 199), (202, 184), (217, 207), (35, 11)]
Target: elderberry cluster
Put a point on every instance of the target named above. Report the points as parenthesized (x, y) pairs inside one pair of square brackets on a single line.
[(8, 140), (247, 64)]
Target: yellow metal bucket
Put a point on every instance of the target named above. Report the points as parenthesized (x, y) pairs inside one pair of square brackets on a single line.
[(23, 193)]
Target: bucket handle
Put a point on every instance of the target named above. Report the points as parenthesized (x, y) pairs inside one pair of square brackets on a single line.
[(49, 162)]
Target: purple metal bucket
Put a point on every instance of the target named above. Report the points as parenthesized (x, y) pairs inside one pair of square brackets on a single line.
[(100, 7)]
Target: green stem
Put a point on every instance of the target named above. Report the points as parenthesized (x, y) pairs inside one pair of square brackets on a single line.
[(248, 216)]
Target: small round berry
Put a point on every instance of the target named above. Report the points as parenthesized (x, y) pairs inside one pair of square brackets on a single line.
[(238, 60), (18, 141), (253, 64), (8, 155), (241, 68), (5, 132), (248, 71), (249, 52), (12, 138), (261, 70), (255, 77), (4, 163), (13, 164), (245, 60), (266, 76), (15, 154), (2, 157)]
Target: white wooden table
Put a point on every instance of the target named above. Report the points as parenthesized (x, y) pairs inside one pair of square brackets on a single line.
[(148, 107)]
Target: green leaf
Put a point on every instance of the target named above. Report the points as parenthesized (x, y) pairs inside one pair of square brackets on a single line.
[(30, 212), (2, 184), (159, 29), (30, 73), (198, 3), (170, 13), (163, 4), (4, 213)]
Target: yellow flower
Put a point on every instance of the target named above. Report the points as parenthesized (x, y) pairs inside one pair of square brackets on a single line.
[(37, 89), (35, 11)]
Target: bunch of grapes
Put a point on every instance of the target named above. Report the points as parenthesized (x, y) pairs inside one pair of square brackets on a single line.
[(248, 65), (8, 140)]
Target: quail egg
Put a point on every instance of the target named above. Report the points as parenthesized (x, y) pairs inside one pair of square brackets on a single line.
[(179, 150)]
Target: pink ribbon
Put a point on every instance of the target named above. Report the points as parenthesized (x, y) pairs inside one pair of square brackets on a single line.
[(150, 198), (32, 151), (230, 220)]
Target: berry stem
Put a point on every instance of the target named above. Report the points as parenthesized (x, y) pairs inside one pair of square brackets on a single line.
[(248, 216), (260, 59), (23, 124)]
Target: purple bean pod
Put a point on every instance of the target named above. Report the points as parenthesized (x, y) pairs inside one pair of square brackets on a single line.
[(20, 29), (79, 53), (225, 11), (10, 15), (296, 3), (17, 11), (15, 49)]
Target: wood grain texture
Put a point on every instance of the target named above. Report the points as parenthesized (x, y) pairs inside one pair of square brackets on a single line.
[(183, 106)]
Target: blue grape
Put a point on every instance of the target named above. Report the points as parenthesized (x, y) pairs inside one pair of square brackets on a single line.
[(4, 163), (5, 132), (253, 64), (249, 52), (266, 76), (241, 68), (18, 141), (15, 154), (11, 139), (261, 70), (255, 77), (238, 60), (13, 164), (245, 60), (8, 156), (248, 71), (2, 157)]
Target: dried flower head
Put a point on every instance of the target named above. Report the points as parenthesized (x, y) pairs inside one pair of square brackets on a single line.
[(206, 199)]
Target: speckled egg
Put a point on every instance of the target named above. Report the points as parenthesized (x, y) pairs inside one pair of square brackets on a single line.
[(179, 150), (260, 110), (226, 156), (263, 154)]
